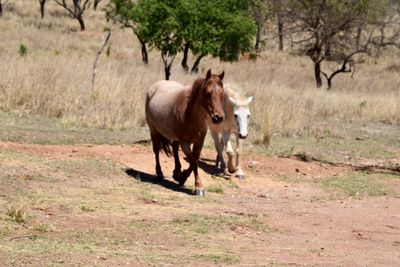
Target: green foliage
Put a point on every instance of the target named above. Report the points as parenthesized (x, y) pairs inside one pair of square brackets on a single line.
[(159, 25), (222, 29), (23, 50)]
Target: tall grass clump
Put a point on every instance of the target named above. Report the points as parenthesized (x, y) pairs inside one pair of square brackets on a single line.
[(17, 214)]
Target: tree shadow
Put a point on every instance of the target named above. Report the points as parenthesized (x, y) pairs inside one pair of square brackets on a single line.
[(152, 179)]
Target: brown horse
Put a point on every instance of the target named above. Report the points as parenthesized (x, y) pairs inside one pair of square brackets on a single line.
[(177, 115)]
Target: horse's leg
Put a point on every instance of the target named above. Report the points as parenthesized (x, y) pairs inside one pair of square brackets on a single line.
[(177, 171), (239, 171), (229, 152), (197, 147), (193, 158), (189, 156), (218, 142), (155, 140)]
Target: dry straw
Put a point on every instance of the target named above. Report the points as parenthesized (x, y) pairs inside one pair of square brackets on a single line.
[(53, 78)]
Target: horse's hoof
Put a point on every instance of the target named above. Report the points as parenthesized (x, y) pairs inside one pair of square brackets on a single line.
[(160, 175), (240, 176), (231, 170), (200, 192), (176, 176)]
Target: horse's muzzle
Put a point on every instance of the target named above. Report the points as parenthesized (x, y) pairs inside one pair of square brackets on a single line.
[(217, 118), (241, 136)]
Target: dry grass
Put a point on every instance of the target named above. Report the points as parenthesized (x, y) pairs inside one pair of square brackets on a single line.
[(53, 78), (17, 214)]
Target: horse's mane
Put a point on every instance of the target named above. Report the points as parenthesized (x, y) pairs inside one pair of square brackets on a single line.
[(234, 92), (196, 86)]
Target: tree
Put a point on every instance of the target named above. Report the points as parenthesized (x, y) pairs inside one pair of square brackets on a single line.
[(330, 28), (96, 3), (259, 14), (219, 28), (42, 4), (223, 29), (1, 7), (76, 10), (159, 26), (126, 13), (279, 11)]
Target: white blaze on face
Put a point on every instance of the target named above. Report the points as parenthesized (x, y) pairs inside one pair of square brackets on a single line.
[(242, 115)]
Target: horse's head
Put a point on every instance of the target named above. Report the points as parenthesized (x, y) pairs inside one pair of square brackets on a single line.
[(213, 96), (241, 112)]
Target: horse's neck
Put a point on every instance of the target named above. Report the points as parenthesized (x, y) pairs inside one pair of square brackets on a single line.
[(195, 111), (228, 108), (191, 109)]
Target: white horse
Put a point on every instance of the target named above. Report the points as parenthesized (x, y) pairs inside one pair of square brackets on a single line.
[(236, 108)]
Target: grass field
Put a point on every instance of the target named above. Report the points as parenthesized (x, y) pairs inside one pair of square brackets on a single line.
[(53, 78)]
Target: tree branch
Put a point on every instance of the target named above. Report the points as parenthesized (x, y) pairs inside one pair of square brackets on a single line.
[(64, 5), (105, 41)]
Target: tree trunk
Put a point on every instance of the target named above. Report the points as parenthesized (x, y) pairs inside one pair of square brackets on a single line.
[(96, 2), (167, 69), (81, 22), (358, 37), (258, 38), (280, 31), (185, 58), (167, 60), (317, 73), (145, 57), (328, 50), (195, 68), (42, 3), (329, 84)]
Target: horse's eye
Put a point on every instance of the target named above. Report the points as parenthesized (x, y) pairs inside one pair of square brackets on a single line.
[(235, 115), (248, 116)]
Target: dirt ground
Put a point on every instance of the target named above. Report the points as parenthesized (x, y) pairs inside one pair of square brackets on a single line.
[(278, 216)]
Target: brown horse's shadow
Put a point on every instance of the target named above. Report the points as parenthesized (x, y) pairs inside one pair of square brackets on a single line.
[(208, 166), (152, 179)]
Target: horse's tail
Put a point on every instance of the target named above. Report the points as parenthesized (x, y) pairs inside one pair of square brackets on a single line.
[(165, 145)]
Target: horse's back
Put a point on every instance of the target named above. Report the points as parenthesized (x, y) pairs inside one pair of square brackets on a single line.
[(162, 101), (164, 88)]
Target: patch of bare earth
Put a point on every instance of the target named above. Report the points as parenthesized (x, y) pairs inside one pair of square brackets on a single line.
[(276, 216)]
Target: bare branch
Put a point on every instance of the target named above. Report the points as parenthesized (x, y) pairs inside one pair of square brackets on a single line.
[(64, 5), (104, 43)]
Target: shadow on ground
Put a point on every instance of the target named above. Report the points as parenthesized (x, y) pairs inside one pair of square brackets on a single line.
[(208, 166), (152, 179)]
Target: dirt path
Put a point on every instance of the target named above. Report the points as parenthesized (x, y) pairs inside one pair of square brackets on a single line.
[(310, 227)]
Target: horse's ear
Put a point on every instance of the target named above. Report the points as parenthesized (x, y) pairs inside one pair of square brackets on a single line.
[(221, 76), (232, 100), (208, 75), (249, 100)]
